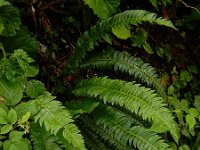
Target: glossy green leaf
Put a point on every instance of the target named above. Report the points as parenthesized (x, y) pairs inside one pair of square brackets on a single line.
[(197, 102), (6, 128), (121, 32)]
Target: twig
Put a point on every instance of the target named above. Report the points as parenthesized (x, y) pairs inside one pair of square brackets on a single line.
[(186, 5)]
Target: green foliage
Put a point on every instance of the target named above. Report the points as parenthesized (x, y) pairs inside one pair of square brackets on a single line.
[(122, 129), (133, 97), (125, 63), (54, 118), (121, 20), (42, 139), (103, 9)]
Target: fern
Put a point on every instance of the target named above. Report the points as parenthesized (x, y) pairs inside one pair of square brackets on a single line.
[(130, 17), (105, 136), (125, 63), (135, 98), (122, 130), (43, 140), (54, 118)]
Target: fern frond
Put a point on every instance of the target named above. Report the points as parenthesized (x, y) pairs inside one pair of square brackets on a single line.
[(124, 62), (130, 17), (119, 145), (135, 98), (92, 140), (43, 140), (123, 130), (54, 117)]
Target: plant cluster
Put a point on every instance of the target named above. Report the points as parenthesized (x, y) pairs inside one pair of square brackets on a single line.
[(121, 80)]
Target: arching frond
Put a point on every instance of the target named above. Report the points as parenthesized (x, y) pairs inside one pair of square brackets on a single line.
[(121, 129), (124, 62), (130, 17), (118, 145), (54, 117), (135, 98)]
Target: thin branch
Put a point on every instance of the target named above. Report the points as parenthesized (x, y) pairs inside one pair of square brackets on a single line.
[(186, 5)]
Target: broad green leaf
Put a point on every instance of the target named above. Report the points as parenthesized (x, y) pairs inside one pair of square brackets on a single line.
[(15, 135), (148, 48), (12, 116), (15, 145), (194, 112), (12, 92), (26, 117), (35, 88), (122, 32), (23, 108), (5, 129), (190, 121), (103, 8), (3, 116), (185, 76)]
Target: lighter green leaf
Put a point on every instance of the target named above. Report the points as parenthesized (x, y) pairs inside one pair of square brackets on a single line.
[(194, 112), (15, 145), (26, 117), (3, 116), (154, 3), (5, 129), (103, 8), (121, 32), (190, 121), (12, 116), (12, 92), (148, 48), (16, 135)]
